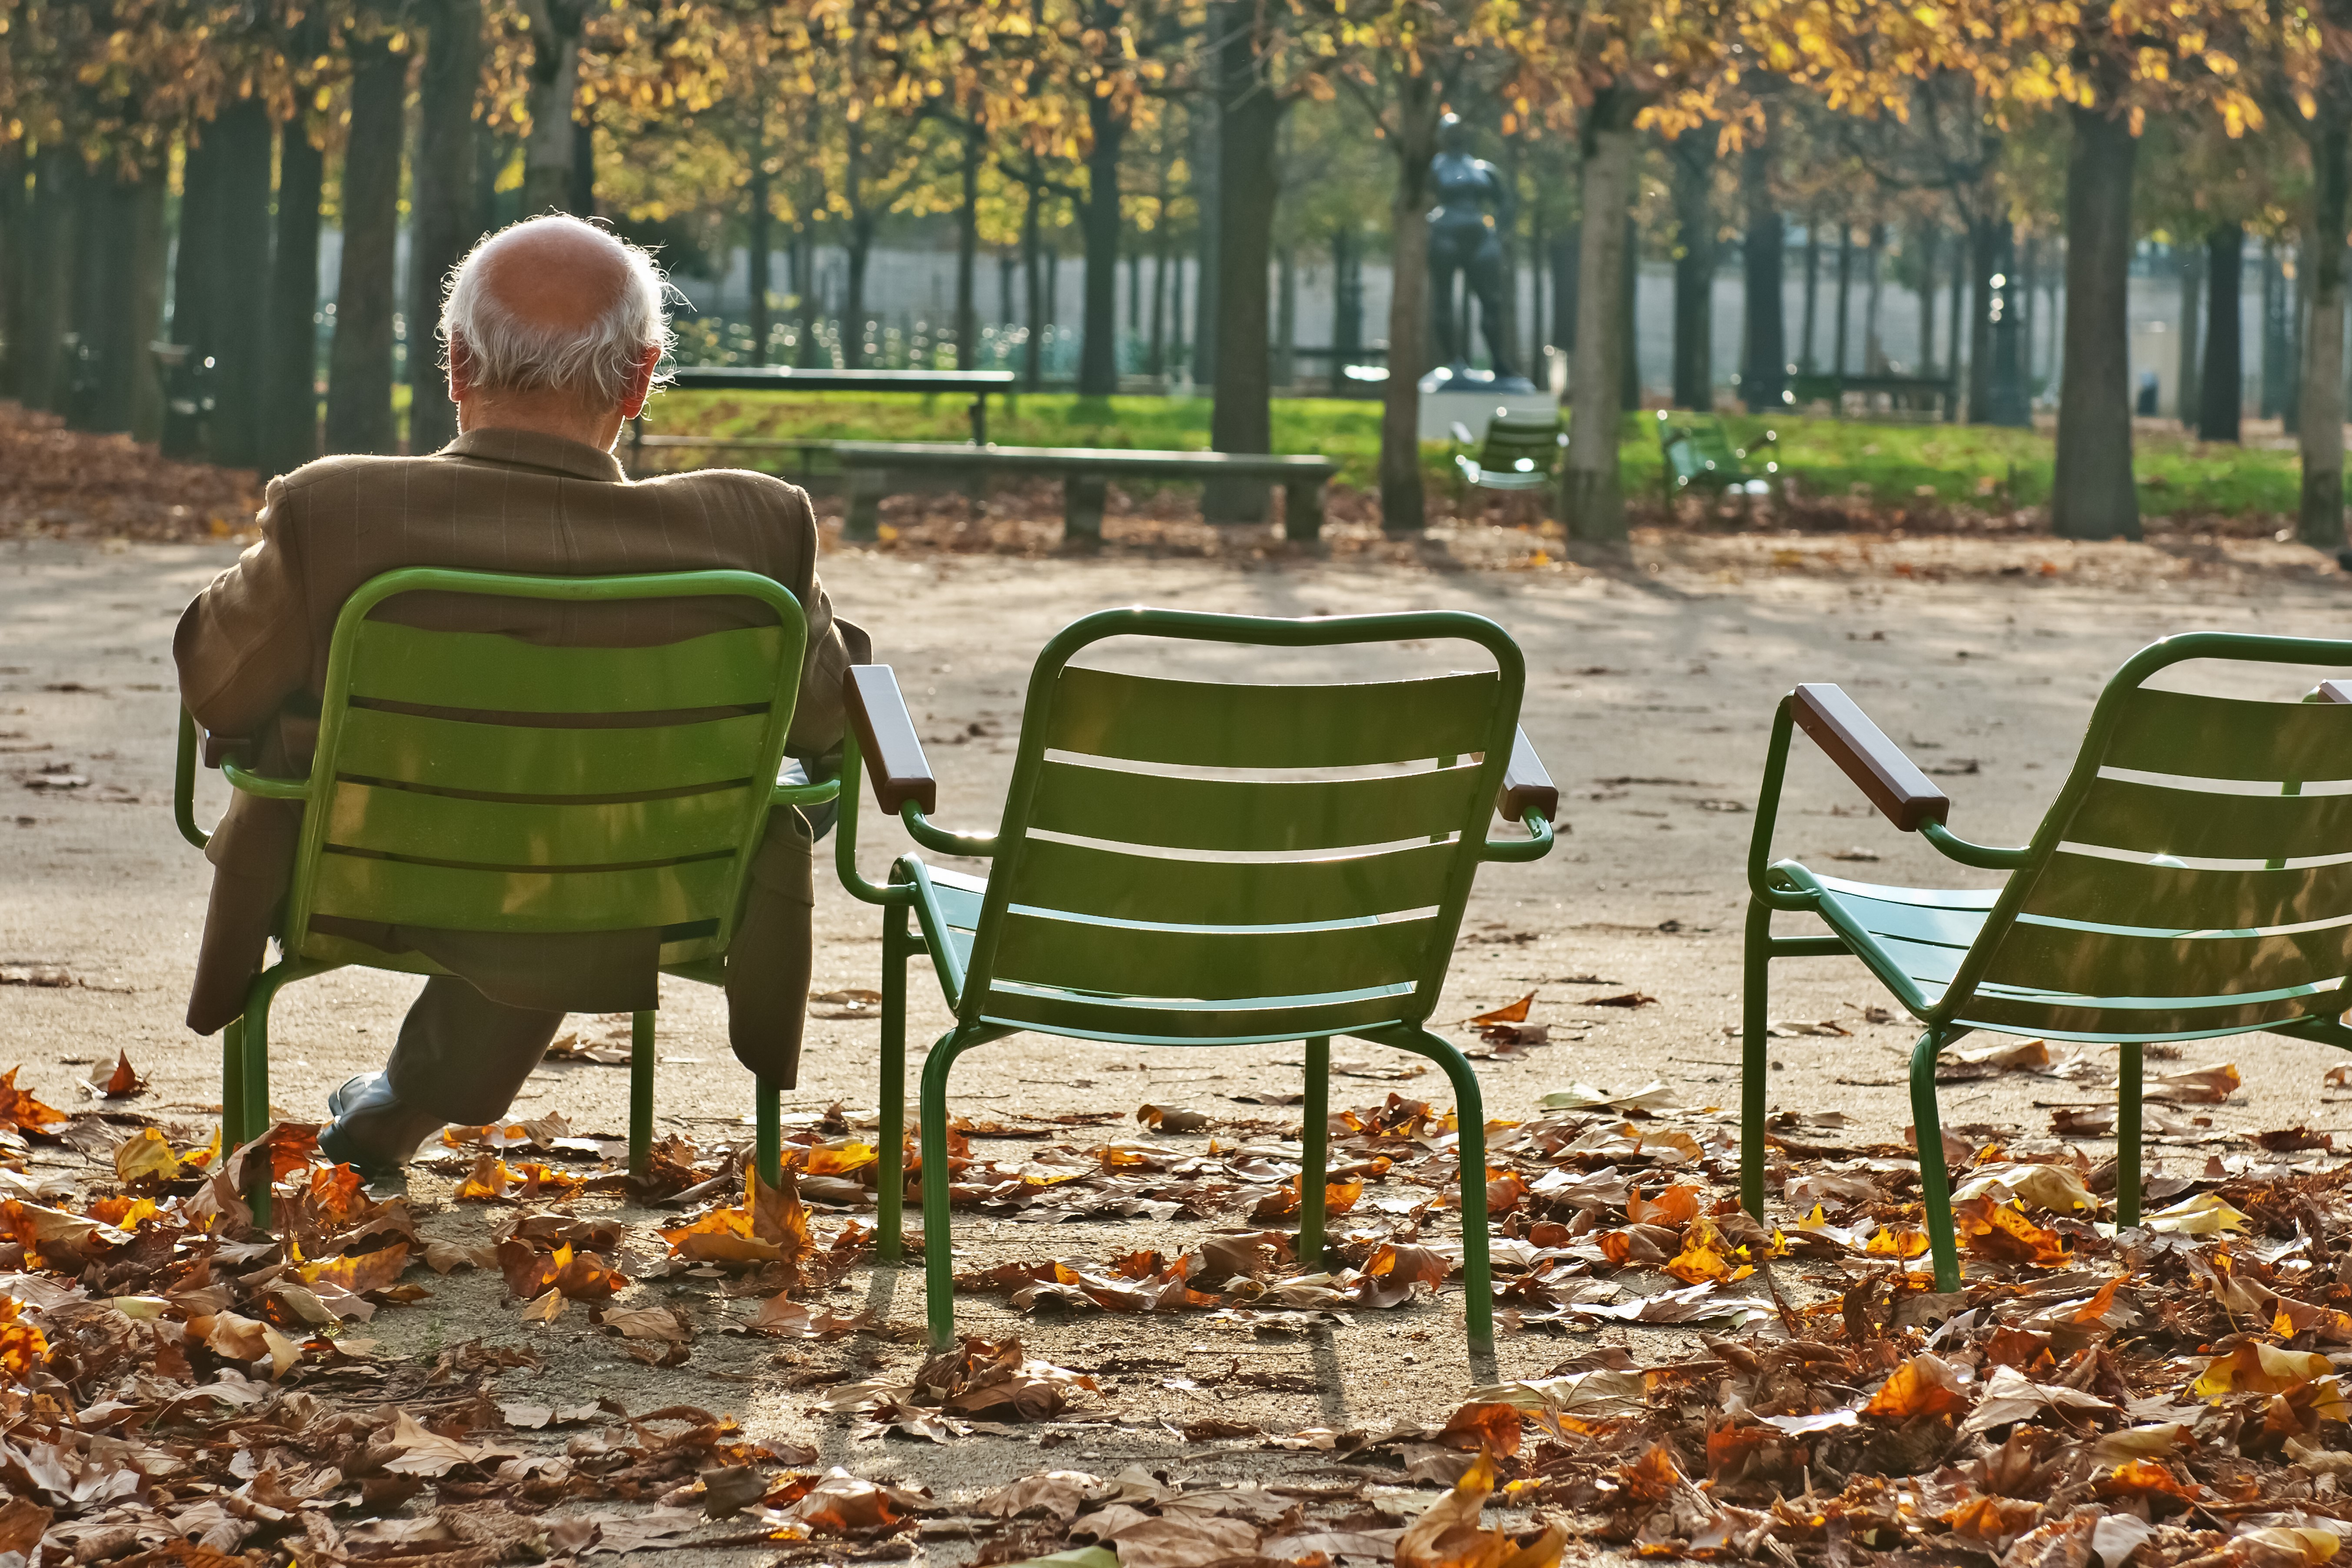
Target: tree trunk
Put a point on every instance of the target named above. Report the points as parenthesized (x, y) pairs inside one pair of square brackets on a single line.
[(1566, 258), (359, 375), (582, 200), (2189, 384), (1347, 299), (858, 251), (2222, 382), (1413, 144), (2009, 401), (1844, 296), (1927, 238), (441, 205), (196, 273), (1813, 291), (759, 241), (1963, 253), (1098, 228), (1207, 166), (1033, 304), (56, 234), (1629, 307), (1874, 349), (2091, 494), (1693, 158), (289, 412), (1593, 499), (1249, 121), (1155, 362), (1984, 242), (1505, 327), (554, 86), (241, 291), (1538, 257), (16, 256), (2029, 272), (967, 313), (125, 304), (1765, 375), (1286, 319), (2319, 521), (2275, 352)]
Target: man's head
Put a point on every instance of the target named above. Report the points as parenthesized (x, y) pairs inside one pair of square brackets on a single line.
[(554, 325)]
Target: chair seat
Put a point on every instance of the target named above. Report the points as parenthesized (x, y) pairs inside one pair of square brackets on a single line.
[(1918, 937)]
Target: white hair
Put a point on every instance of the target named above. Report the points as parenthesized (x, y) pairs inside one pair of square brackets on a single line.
[(506, 353)]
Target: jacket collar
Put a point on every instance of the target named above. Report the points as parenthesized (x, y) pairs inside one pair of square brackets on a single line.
[(531, 449)]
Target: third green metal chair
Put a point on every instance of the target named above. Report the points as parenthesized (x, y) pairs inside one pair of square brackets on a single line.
[(1205, 863), (2189, 882)]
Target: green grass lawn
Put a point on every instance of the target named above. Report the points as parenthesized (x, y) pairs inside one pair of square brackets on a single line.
[(1895, 464)]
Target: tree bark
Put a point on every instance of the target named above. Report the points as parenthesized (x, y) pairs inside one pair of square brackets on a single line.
[(1963, 255), (1155, 359), (195, 272), (1927, 238), (442, 230), (124, 306), (15, 255), (582, 200), (2008, 405), (967, 313), (2319, 521), (1566, 258), (2189, 382), (1033, 304), (1414, 142), (1844, 296), (1592, 496), (1285, 319), (359, 374), (1765, 375), (1813, 291), (1693, 157), (858, 251), (1207, 164), (1874, 349), (2221, 380), (290, 415), (1628, 306), (2275, 352), (1098, 226), (554, 84), (1984, 243), (241, 294), (759, 242), (1249, 121), (2090, 495)]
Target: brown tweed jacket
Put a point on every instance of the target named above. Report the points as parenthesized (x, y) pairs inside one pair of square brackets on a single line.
[(252, 654)]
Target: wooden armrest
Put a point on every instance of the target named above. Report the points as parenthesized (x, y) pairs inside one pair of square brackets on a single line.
[(219, 748), (1862, 751), (885, 733), (1526, 785), (2331, 692)]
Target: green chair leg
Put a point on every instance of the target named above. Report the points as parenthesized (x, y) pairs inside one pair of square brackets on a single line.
[(1754, 1056), (890, 1190), (768, 1141), (641, 1094), (2127, 1135), (1935, 1179), (939, 1260), (1314, 1152), (253, 1082), (1470, 1118), (233, 1130)]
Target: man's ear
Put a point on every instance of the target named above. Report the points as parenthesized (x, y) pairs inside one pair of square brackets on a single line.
[(461, 369), (641, 382)]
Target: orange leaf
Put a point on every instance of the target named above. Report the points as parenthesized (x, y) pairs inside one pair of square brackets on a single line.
[(1677, 1206), (1489, 1426), (362, 1272), (125, 1080), (2002, 1232), (1924, 1385), (489, 1179), (22, 1346), (842, 1160), (1516, 1013), (19, 1109)]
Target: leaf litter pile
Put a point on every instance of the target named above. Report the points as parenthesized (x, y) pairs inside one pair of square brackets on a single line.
[(181, 1385)]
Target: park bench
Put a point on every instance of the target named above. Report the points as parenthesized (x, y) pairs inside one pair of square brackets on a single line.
[(1698, 454), (1921, 396), (1514, 454), (460, 783), (876, 469), (980, 383), (1166, 874), (2187, 884)]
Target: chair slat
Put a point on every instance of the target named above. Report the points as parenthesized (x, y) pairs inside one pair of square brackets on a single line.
[(2105, 963), (1248, 813), (2123, 892), (485, 759), (1919, 922), (395, 663), (2073, 1019), (399, 892), (533, 832), (1221, 724), (1083, 879), (2199, 736), (2156, 819), (1096, 1019), (1147, 961)]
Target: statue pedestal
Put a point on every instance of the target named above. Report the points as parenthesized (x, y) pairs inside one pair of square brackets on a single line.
[(1441, 410)]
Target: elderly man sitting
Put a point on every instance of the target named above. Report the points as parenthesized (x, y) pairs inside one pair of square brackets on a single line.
[(553, 329)]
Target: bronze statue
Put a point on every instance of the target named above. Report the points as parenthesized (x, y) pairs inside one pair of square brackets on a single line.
[(1462, 239)]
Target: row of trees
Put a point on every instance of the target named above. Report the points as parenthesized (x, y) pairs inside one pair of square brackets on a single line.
[(226, 134)]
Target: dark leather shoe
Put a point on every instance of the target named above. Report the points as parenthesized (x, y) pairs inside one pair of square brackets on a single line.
[(372, 1131)]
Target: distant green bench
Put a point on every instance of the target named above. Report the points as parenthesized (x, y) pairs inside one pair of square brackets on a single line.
[(1516, 455), (873, 469), (1919, 396), (1697, 455)]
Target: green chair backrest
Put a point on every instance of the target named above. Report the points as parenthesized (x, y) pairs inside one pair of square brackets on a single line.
[(472, 780), (2195, 876), (1512, 442), (1212, 861)]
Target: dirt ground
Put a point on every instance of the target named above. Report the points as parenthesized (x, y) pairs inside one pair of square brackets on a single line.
[(1653, 678)]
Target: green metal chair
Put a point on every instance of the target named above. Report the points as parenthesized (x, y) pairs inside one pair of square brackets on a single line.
[(533, 813), (2170, 893), (1519, 454), (1203, 863), (1698, 455)]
